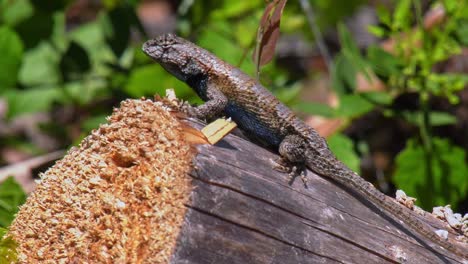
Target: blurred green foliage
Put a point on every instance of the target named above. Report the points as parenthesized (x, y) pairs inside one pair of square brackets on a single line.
[(11, 197), (430, 168), (48, 64), (8, 253), (449, 173)]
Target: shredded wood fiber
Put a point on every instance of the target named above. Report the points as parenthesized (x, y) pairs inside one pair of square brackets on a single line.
[(117, 198)]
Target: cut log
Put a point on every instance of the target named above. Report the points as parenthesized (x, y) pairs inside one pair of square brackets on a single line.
[(135, 191)]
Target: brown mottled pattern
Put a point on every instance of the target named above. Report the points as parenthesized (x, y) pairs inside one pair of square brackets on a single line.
[(295, 141)]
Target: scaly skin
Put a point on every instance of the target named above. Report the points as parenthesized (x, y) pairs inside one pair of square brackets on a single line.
[(226, 89)]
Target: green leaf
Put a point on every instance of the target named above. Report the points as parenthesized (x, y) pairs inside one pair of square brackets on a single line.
[(11, 197), (224, 47), (442, 118), (353, 105), (40, 66), (343, 75), (13, 12), (233, 9), (347, 42), (383, 14), (381, 98), (376, 31), (449, 170), (383, 63), (31, 100), (462, 32), (11, 49), (343, 148), (288, 94), (351, 51), (8, 253), (151, 79), (316, 109), (436, 118), (402, 14)]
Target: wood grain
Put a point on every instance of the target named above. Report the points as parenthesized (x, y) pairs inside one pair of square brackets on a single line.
[(242, 211)]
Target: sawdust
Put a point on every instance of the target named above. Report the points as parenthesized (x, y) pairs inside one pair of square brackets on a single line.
[(117, 198)]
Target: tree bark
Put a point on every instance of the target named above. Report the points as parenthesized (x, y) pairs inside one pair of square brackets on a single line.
[(243, 211), (135, 191)]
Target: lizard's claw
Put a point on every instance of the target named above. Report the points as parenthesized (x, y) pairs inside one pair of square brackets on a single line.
[(293, 170), (298, 170), (281, 165)]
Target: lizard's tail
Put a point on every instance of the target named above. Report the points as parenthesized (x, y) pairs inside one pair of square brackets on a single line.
[(342, 174)]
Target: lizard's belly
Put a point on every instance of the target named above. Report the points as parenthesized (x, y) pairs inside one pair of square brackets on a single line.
[(253, 127)]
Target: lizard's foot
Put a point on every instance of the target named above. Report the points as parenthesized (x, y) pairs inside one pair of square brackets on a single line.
[(188, 109), (281, 165), (294, 169)]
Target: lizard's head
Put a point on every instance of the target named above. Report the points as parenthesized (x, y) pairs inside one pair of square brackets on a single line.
[(171, 51)]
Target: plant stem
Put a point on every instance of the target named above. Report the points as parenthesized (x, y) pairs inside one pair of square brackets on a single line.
[(317, 33), (425, 129), (426, 137)]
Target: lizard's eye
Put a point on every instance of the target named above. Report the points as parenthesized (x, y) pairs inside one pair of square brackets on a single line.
[(166, 40)]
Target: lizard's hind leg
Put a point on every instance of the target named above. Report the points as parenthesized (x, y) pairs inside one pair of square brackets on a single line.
[(292, 150)]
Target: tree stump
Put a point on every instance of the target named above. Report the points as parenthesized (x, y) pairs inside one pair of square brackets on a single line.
[(137, 191)]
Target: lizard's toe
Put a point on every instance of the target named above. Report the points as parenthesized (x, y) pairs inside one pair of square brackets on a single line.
[(293, 169), (281, 165)]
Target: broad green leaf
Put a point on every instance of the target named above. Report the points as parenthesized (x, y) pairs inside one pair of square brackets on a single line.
[(225, 48), (13, 12), (11, 197), (153, 79), (40, 66), (31, 100), (11, 49), (316, 109), (343, 148), (353, 105), (233, 9), (449, 170)]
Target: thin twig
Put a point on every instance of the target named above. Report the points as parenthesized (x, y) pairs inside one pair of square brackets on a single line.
[(317, 33)]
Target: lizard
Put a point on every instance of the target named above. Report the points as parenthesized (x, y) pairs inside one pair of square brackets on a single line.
[(225, 89)]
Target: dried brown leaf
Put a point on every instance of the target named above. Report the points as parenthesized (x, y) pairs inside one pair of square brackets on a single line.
[(268, 33)]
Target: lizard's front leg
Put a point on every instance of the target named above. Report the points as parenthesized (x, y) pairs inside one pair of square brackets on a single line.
[(292, 150), (215, 104)]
